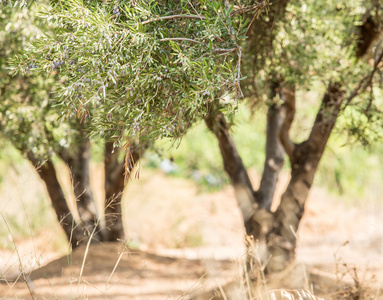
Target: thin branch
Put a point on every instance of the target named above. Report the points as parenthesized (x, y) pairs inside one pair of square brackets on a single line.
[(239, 90), (257, 8), (173, 17), (228, 50), (182, 39), (242, 10), (365, 82), (246, 9)]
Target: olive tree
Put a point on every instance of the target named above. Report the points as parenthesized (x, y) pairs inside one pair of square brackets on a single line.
[(150, 68), (29, 119), (126, 72), (297, 44)]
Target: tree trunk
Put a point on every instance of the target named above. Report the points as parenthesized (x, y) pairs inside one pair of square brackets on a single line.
[(48, 174), (78, 158), (279, 232), (232, 162), (274, 152), (86, 205), (114, 185)]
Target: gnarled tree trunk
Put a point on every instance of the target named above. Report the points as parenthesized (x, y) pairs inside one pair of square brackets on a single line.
[(47, 173), (117, 172), (78, 159), (114, 170), (232, 162), (277, 230)]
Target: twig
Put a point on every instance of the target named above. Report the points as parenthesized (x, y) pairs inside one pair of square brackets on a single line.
[(239, 91), (173, 17), (181, 39), (227, 50), (365, 82), (245, 9), (258, 9)]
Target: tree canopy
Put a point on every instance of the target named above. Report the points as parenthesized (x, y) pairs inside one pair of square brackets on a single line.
[(140, 68), (150, 68)]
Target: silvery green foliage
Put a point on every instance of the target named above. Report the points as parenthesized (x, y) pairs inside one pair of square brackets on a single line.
[(29, 116), (23, 100), (142, 68), (315, 44)]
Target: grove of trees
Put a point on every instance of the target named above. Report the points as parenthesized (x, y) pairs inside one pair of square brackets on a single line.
[(132, 72)]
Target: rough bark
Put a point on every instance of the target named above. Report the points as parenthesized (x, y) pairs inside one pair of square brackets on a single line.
[(232, 162), (86, 205), (278, 230), (116, 172), (274, 152), (47, 173), (288, 97), (78, 160), (114, 184)]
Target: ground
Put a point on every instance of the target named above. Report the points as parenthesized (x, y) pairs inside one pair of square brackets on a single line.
[(183, 243)]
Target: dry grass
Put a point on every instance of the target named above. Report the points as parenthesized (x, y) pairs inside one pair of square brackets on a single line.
[(202, 232)]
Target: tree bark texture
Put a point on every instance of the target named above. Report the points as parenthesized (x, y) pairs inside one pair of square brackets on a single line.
[(65, 217), (78, 158), (83, 192), (232, 162), (274, 152), (278, 230), (116, 171)]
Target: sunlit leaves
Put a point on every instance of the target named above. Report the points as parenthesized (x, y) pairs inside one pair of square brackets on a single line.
[(143, 68)]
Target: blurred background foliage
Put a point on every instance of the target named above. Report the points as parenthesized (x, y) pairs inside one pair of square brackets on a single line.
[(352, 170)]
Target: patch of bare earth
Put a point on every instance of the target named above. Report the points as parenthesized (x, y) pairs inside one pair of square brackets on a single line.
[(114, 272), (191, 246)]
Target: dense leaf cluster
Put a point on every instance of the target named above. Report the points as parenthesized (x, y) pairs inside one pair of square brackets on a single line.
[(317, 42), (23, 100), (141, 68), (29, 117)]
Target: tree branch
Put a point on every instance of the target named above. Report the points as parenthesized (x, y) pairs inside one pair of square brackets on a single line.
[(288, 97), (275, 154), (232, 162), (173, 17), (182, 39), (365, 82), (274, 157), (227, 50)]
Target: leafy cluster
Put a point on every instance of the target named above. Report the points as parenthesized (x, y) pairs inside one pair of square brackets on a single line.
[(141, 68), (317, 41), (29, 117), (314, 41), (23, 100)]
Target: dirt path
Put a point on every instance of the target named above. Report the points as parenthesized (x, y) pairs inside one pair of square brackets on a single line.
[(114, 272), (209, 257)]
